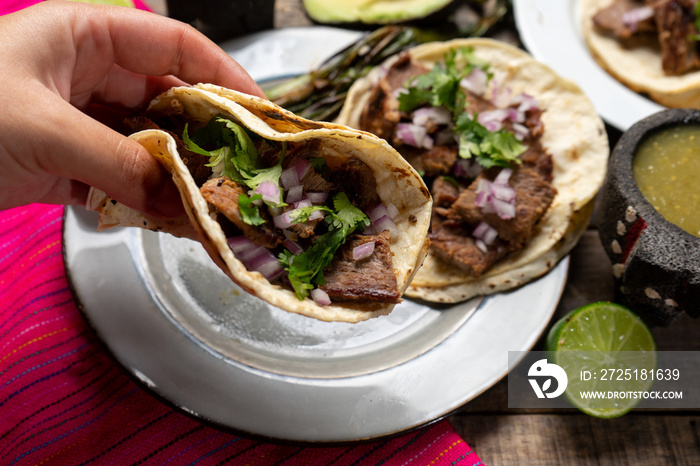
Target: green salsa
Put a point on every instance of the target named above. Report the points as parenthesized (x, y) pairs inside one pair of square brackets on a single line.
[(667, 171)]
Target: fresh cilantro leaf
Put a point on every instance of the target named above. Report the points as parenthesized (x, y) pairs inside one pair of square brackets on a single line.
[(305, 270), (441, 85), (489, 148), (250, 213)]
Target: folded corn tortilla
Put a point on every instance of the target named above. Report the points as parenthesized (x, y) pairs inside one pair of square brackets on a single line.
[(397, 183)]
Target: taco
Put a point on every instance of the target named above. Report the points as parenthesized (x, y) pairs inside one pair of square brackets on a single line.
[(650, 47), (513, 155), (314, 218)]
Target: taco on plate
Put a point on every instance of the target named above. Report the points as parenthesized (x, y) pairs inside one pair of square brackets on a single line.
[(314, 218), (513, 155), (650, 46)]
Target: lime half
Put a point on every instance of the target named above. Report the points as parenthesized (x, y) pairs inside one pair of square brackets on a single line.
[(608, 354)]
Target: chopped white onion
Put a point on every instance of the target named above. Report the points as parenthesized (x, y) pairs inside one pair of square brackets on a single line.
[(320, 297), (363, 251)]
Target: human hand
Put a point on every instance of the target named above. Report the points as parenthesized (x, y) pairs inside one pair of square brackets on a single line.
[(59, 60)]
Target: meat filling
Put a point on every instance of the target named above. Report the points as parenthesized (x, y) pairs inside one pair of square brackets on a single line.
[(456, 213)]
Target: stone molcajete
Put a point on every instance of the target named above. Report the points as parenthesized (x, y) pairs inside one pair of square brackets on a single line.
[(656, 264)]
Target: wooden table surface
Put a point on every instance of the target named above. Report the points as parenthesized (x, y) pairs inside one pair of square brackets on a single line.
[(503, 436)]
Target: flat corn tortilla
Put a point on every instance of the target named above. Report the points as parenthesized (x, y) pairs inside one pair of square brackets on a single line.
[(636, 63), (397, 183), (575, 137)]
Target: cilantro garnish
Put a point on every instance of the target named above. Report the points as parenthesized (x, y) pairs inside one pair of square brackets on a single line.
[(440, 86), (305, 270), (489, 148), (237, 158), (250, 213)]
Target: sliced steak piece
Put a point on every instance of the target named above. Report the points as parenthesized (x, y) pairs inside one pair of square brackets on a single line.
[(444, 192), (222, 193), (675, 22), (356, 179), (610, 20), (454, 245), (433, 162), (371, 278), (533, 195)]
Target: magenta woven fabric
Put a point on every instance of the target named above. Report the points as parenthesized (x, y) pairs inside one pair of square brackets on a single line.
[(64, 401)]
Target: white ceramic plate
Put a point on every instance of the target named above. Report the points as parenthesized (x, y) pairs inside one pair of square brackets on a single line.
[(180, 326), (551, 32)]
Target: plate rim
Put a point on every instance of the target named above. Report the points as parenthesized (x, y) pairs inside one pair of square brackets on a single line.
[(550, 30)]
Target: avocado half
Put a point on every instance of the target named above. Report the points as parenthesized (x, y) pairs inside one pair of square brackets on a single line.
[(371, 11)]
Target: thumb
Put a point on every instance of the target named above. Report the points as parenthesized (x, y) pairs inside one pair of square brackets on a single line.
[(84, 149)]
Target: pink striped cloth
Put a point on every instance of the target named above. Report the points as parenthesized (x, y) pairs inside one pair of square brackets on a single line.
[(63, 400)]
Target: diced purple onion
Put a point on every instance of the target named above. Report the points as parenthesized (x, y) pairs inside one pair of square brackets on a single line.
[(320, 297), (411, 134), (292, 246), (269, 190), (302, 166), (289, 178), (520, 131), (633, 17), (492, 120), (475, 82), (485, 233), (377, 211), (386, 223), (316, 215), (501, 97), (283, 221), (302, 203), (503, 176), (482, 246), (503, 192), (436, 115), (294, 194), (504, 209), (498, 196), (363, 251), (239, 244), (526, 102), (317, 198)]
